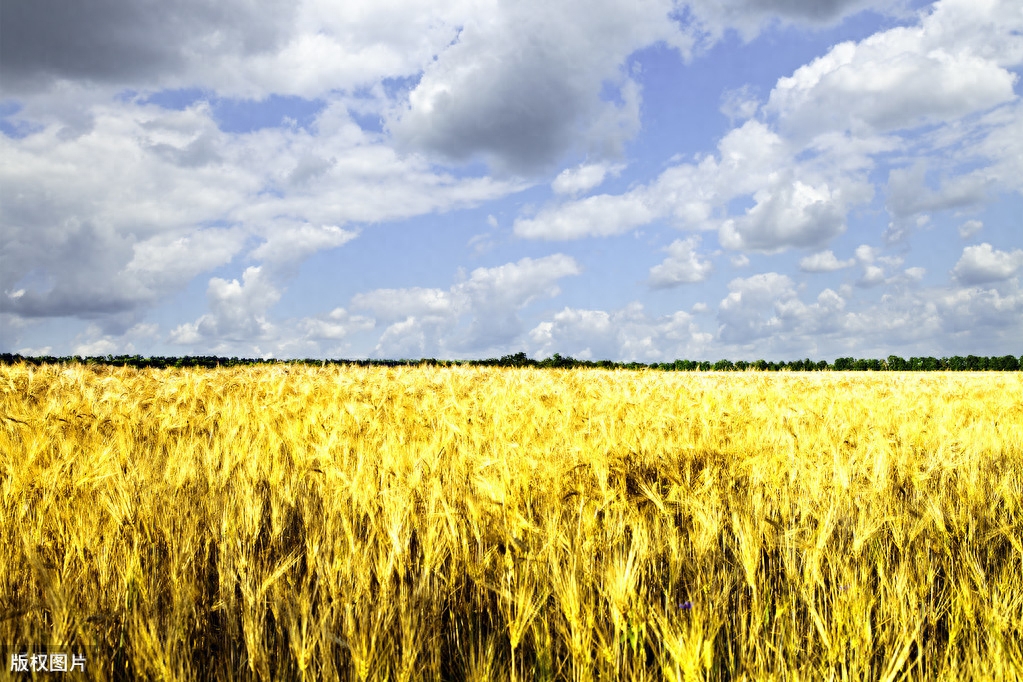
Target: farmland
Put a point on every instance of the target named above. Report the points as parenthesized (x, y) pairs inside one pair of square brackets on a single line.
[(293, 522)]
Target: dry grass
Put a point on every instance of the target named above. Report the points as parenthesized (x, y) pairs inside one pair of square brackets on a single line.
[(284, 523)]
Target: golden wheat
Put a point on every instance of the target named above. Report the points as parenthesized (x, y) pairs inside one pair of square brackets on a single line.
[(291, 523)]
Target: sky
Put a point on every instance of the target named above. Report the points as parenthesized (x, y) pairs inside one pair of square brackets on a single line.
[(634, 180)]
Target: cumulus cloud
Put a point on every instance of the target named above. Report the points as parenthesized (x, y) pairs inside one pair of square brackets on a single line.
[(791, 213), (768, 307), (970, 228), (292, 244), (110, 41), (1002, 146), (750, 16), (628, 333), (984, 263), (866, 253), (495, 294), (984, 318), (916, 273), (522, 85), (110, 203), (687, 193), (394, 304), (745, 314), (739, 104), (238, 310), (877, 269), (600, 215), (824, 261), (908, 193), (237, 48), (807, 164), (95, 348), (428, 319), (887, 81), (337, 325), (172, 258), (583, 177), (796, 205), (682, 266), (118, 219), (872, 276)]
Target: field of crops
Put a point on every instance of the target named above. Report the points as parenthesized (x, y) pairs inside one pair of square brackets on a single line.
[(294, 523)]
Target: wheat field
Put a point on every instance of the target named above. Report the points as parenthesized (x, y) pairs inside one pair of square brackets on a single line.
[(293, 523)]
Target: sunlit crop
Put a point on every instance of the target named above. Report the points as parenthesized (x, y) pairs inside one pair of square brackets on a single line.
[(292, 523)]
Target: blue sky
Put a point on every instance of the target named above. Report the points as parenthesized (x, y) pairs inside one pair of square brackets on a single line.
[(642, 180)]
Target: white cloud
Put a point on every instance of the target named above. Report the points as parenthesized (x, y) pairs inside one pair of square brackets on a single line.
[(172, 257), (682, 266), (517, 284), (749, 17), (480, 243), (129, 212), (742, 312), (30, 352), (872, 276), (748, 158), (970, 228), (313, 46), (495, 294), (1003, 145), (909, 195), (765, 313), (887, 81), (824, 261), (985, 317), (586, 334), (791, 213), (238, 310), (292, 244), (408, 338), (521, 84), (601, 215), (335, 326), (583, 177), (489, 297), (916, 273), (629, 333), (415, 320), (982, 264), (739, 104), (394, 304), (866, 254), (110, 217), (110, 205), (98, 347), (808, 164), (797, 205)]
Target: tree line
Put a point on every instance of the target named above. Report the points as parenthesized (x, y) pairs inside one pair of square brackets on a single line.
[(957, 363)]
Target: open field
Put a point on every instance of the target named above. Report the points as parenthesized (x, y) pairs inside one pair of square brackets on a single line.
[(283, 523)]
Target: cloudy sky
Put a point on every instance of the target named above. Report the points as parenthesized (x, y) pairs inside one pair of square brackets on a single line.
[(623, 179)]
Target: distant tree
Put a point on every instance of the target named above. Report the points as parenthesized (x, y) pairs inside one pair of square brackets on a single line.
[(519, 359)]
